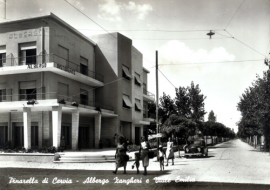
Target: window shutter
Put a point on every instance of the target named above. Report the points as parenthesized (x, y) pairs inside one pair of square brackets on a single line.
[(27, 85)]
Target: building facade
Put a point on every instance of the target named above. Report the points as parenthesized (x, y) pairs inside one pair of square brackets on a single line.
[(56, 83)]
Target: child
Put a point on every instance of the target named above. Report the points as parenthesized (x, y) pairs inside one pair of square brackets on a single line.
[(137, 162), (161, 157)]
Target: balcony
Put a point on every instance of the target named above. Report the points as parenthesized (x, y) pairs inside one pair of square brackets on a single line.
[(148, 96), (53, 63), (13, 101)]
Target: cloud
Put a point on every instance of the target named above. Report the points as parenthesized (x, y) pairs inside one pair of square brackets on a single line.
[(112, 10), (141, 10), (77, 4), (176, 52)]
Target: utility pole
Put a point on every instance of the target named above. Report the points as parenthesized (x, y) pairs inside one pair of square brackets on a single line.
[(5, 9), (157, 129)]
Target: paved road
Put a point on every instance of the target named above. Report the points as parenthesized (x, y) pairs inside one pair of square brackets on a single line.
[(230, 165)]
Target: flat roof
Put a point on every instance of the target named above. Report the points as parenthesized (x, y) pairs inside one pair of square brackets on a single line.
[(53, 16), (146, 70)]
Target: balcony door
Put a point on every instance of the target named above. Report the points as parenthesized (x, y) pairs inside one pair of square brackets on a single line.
[(27, 90), (28, 53)]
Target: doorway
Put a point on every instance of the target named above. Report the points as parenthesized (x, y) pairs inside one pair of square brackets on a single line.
[(83, 137), (65, 132), (18, 137), (137, 135)]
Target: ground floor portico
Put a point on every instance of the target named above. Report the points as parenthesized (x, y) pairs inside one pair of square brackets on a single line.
[(48, 122)]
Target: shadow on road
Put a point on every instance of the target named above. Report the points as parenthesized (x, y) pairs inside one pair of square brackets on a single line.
[(196, 157)]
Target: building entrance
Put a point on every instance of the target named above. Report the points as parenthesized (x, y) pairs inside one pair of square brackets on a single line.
[(65, 132), (84, 137), (18, 137), (137, 135), (3, 136)]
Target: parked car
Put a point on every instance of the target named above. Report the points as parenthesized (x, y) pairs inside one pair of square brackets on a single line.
[(197, 148)]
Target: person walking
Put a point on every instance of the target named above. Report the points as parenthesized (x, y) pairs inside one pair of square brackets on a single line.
[(169, 151), (121, 156), (161, 156), (144, 150)]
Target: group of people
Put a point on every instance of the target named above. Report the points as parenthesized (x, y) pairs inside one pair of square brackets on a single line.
[(121, 157)]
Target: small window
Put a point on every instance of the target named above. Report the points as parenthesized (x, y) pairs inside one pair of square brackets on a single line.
[(126, 74), (138, 106), (137, 80), (126, 102)]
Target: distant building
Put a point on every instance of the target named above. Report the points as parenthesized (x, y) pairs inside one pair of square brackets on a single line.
[(55, 82)]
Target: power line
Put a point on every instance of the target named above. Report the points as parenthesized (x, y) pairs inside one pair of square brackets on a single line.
[(235, 14), (178, 39), (210, 62), (154, 30), (244, 43), (166, 78), (90, 19)]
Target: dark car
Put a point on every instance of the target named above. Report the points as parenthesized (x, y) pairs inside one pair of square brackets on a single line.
[(197, 148)]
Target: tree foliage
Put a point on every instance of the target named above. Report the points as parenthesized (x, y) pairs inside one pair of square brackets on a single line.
[(212, 117), (254, 106)]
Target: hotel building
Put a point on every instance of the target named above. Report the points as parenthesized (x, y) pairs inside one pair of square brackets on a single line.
[(57, 83)]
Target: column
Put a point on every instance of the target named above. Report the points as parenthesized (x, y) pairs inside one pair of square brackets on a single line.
[(75, 129), (97, 129), (56, 125), (27, 127)]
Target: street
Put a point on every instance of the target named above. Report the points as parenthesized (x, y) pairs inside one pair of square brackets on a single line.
[(230, 165)]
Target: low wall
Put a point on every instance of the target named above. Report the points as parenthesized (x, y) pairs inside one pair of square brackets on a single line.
[(27, 157)]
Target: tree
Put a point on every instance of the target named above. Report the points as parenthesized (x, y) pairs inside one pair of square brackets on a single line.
[(212, 117), (196, 100), (167, 107), (182, 102)]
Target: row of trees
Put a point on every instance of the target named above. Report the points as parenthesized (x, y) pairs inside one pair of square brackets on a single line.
[(183, 116), (254, 106)]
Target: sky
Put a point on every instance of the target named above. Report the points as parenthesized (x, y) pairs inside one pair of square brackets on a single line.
[(223, 66)]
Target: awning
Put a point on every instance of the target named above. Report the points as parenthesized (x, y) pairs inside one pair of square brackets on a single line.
[(28, 85), (137, 78), (126, 71), (29, 45), (144, 123), (138, 106), (127, 101)]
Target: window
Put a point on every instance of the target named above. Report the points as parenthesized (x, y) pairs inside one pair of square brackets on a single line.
[(63, 56), (83, 66), (145, 110), (144, 89), (2, 92), (126, 102), (28, 53), (137, 80), (125, 73), (138, 106), (27, 90), (2, 95), (2, 55), (62, 91), (84, 97)]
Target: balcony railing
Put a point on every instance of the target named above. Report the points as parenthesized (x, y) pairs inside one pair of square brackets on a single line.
[(145, 92), (39, 60), (52, 95)]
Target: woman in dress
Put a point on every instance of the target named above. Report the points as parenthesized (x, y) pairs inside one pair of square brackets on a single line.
[(144, 149), (121, 155), (169, 151)]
